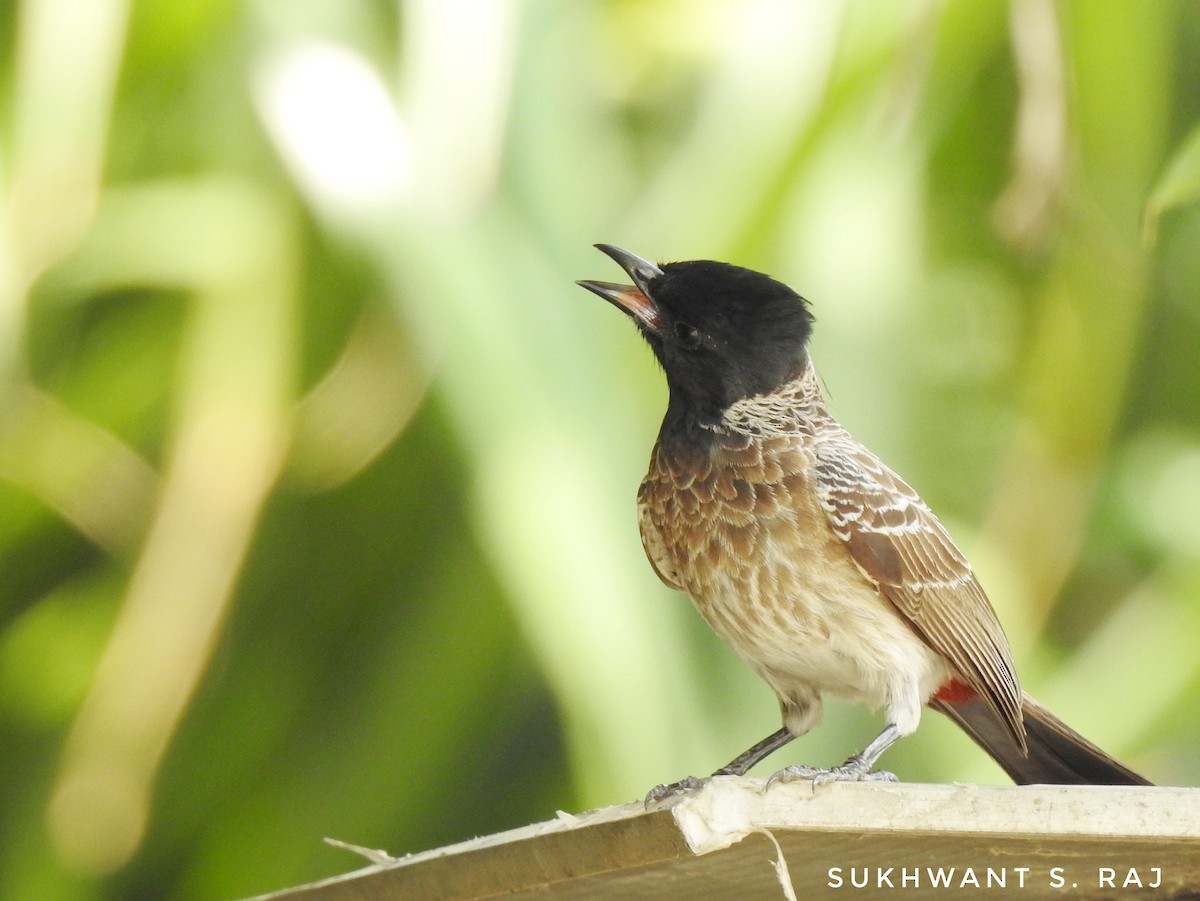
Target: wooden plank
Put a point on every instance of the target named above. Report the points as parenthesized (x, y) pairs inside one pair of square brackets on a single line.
[(722, 841)]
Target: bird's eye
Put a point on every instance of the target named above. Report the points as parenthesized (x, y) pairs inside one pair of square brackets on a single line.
[(689, 336)]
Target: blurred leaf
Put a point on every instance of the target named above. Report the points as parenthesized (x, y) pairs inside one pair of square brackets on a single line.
[(49, 654), (1179, 184)]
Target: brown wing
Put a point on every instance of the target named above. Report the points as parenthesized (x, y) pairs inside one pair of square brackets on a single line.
[(900, 546)]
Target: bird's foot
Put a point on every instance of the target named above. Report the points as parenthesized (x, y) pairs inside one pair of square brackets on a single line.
[(682, 787), (853, 770)]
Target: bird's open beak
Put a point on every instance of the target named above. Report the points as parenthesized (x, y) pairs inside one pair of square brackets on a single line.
[(633, 299)]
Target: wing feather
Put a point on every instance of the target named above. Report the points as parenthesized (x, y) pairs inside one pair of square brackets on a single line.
[(899, 545)]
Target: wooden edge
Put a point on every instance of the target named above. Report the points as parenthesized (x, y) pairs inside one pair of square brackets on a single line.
[(576, 855)]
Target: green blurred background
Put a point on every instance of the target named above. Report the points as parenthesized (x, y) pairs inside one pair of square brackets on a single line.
[(317, 472)]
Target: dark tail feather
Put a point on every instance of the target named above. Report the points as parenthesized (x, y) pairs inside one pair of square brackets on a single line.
[(1058, 755)]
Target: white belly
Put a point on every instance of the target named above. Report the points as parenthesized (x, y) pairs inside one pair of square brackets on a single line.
[(808, 626)]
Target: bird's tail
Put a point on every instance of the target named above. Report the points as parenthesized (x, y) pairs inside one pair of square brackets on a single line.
[(1058, 755)]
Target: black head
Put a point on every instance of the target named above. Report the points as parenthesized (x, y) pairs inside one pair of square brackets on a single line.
[(721, 332)]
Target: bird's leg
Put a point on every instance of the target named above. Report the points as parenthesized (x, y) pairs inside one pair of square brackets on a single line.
[(736, 767), (741, 764), (682, 787), (857, 767)]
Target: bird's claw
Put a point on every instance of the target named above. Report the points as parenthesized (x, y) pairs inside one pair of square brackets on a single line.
[(682, 787), (850, 771)]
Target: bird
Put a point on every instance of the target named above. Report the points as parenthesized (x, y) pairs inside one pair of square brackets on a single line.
[(811, 559)]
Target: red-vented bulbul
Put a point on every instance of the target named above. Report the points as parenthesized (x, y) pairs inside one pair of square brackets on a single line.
[(816, 563)]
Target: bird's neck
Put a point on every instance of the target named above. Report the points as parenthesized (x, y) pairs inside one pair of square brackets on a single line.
[(794, 408)]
